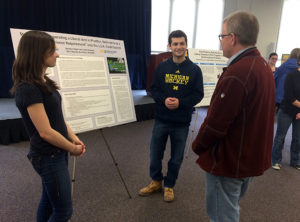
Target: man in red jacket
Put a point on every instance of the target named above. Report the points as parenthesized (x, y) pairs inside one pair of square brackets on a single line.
[(234, 142)]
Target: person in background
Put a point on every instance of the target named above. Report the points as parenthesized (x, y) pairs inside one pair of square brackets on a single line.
[(273, 57), (234, 143), (176, 88), (289, 113), (51, 139), (282, 71)]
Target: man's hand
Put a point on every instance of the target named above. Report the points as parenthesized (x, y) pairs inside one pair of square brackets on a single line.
[(298, 116), (172, 103)]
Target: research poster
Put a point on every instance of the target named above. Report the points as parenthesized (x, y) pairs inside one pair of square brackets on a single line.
[(211, 63), (94, 80), (284, 57)]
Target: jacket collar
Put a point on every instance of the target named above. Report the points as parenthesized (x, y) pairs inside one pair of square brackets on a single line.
[(248, 51), (245, 53)]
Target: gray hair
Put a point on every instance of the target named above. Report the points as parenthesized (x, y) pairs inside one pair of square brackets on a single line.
[(295, 54), (244, 25)]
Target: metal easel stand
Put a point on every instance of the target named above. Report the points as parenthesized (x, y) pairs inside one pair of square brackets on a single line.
[(192, 135), (115, 163), (73, 177)]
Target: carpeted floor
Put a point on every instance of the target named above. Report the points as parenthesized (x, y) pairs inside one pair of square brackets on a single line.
[(100, 195)]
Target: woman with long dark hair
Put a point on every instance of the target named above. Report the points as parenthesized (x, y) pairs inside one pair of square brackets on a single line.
[(51, 139)]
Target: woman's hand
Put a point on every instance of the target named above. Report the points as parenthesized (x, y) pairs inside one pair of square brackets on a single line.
[(79, 149), (77, 141)]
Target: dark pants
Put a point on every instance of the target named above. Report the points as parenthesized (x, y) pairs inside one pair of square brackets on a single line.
[(56, 201), (160, 133), (284, 121)]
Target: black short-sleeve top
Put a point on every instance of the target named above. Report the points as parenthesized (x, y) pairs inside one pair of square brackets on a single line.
[(28, 94)]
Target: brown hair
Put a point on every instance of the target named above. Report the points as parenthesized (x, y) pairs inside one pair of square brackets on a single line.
[(273, 54), (177, 34), (28, 66), (295, 54)]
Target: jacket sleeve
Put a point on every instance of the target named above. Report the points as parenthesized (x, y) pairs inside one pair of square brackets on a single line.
[(226, 105), (197, 92), (289, 89), (276, 76), (157, 87)]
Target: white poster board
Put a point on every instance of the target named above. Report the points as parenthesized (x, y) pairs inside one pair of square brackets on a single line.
[(211, 63), (93, 76)]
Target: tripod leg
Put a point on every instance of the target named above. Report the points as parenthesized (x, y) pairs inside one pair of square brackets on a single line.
[(191, 136), (73, 176), (116, 164)]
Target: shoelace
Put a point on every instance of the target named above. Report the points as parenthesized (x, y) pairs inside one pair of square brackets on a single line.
[(153, 184), (169, 190)]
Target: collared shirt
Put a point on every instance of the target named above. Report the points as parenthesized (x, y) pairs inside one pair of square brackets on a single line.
[(236, 55)]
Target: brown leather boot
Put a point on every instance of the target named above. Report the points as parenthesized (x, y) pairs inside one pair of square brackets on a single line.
[(154, 186), (168, 194)]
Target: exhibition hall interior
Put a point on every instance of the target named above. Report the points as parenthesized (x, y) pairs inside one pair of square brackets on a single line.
[(108, 53)]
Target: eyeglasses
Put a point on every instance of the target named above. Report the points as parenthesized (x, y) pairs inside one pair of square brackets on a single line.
[(223, 36)]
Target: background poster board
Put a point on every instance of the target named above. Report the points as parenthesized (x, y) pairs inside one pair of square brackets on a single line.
[(94, 94), (211, 63), (284, 57)]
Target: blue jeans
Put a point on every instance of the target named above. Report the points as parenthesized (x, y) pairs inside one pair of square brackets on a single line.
[(223, 195), (56, 201), (160, 133), (284, 121)]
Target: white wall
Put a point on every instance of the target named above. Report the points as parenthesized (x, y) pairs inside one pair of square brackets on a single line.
[(268, 13)]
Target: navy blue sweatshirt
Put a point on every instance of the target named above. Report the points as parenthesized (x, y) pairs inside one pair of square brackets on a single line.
[(183, 81)]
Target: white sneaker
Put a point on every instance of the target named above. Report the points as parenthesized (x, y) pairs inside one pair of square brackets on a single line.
[(276, 166), (297, 166)]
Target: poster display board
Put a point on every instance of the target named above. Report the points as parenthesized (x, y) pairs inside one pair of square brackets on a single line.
[(284, 57), (94, 80), (211, 63)]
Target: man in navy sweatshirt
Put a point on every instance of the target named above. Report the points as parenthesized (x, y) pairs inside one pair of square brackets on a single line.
[(176, 88)]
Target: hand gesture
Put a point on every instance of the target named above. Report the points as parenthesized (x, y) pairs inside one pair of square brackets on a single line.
[(78, 150), (172, 103)]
